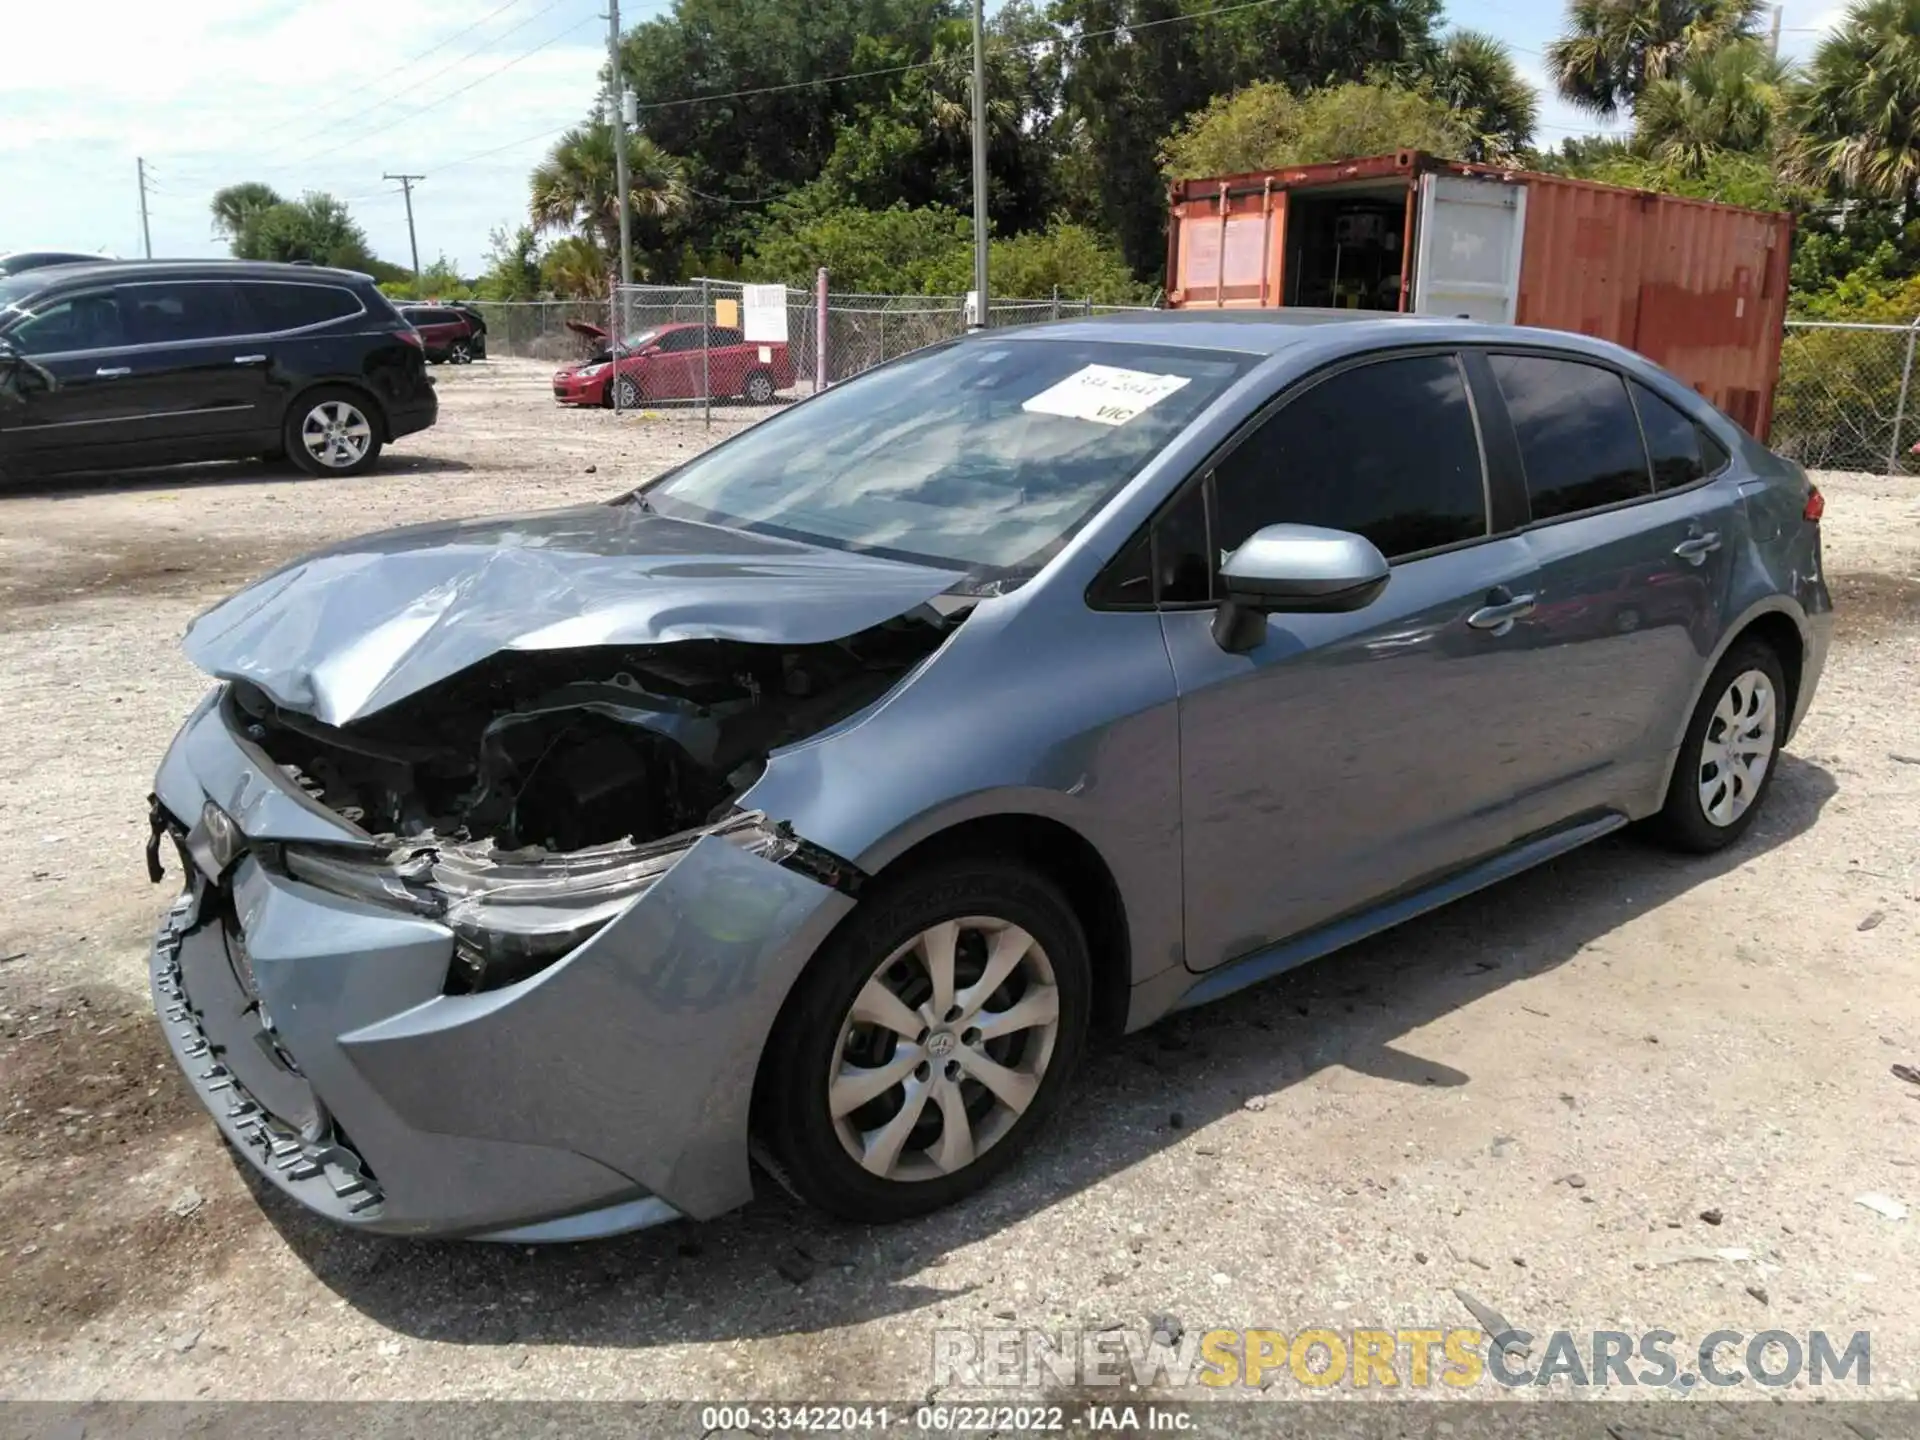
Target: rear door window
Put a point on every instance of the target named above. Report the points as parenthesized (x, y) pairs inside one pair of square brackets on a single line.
[(76, 322), (170, 313), (1680, 450), (274, 305), (1388, 450), (1579, 438)]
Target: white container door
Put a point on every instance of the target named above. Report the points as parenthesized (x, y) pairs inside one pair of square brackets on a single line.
[(1467, 260)]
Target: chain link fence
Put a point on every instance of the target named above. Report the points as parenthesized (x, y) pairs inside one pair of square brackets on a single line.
[(764, 345), (538, 329), (1847, 398)]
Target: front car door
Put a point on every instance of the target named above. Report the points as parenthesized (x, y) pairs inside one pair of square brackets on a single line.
[(78, 338), (1632, 577), (1348, 756)]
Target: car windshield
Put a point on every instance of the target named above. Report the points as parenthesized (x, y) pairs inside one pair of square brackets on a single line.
[(982, 456)]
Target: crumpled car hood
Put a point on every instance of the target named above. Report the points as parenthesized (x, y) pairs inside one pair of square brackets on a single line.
[(349, 630)]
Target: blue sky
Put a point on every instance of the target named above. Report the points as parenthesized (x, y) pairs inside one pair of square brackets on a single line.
[(329, 95)]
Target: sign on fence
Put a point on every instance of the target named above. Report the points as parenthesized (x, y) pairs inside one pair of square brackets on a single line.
[(766, 313)]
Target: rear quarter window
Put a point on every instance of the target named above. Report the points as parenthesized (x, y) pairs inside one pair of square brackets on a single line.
[(276, 305)]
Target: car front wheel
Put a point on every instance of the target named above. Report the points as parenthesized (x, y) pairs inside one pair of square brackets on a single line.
[(760, 388), (626, 393), (929, 1041), (331, 432), (1730, 752)]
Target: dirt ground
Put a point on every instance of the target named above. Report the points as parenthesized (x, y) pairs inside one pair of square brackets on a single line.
[(1533, 1096)]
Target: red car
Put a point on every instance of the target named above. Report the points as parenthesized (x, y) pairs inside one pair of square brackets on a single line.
[(447, 333), (667, 363)]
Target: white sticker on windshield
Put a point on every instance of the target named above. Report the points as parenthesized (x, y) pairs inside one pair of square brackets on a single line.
[(1105, 394)]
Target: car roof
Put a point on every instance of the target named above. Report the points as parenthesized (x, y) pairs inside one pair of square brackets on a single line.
[(132, 271), (1299, 331)]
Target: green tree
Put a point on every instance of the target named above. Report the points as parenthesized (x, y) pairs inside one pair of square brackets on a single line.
[(1474, 75), (316, 228), (1266, 126), (1126, 92), (513, 264), (1732, 99), (1075, 261), (1613, 49), (1859, 111), (576, 188), (778, 137), (234, 205), (574, 267), (899, 250)]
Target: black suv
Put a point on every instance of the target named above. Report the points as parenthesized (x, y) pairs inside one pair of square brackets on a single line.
[(131, 362)]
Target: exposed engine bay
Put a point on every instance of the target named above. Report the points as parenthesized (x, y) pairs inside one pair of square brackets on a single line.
[(561, 750)]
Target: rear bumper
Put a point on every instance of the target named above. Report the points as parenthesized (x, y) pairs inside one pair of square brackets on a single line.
[(608, 1092), (416, 414)]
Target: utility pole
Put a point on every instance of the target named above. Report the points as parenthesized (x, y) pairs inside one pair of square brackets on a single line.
[(146, 234), (619, 119), (980, 160), (1773, 39), (406, 188)]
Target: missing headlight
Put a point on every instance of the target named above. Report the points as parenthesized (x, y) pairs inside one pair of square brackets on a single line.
[(513, 913)]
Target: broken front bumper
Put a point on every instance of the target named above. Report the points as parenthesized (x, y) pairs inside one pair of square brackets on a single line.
[(609, 1091)]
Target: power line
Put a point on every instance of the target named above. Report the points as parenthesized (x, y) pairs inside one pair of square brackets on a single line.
[(384, 76), (453, 64)]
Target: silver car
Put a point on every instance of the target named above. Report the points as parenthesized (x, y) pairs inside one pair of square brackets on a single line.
[(816, 803)]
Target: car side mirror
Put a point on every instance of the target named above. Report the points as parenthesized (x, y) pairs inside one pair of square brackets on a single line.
[(1296, 570)]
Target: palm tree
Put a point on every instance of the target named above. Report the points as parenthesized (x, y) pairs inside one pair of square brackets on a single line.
[(575, 187), (1859, 111), (236, 204), (1474, 74), (1732, 99), (1614, 48)]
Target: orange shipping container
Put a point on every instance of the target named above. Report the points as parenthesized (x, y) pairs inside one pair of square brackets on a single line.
[(1696, 287)]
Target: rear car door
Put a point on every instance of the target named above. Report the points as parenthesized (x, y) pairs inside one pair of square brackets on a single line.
[(199, 380), (295, 338), (78, 339), (1348, 756), (1632, 575)]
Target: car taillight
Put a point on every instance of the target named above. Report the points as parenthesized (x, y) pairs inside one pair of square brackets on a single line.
[(411, 336), (1816, 505)]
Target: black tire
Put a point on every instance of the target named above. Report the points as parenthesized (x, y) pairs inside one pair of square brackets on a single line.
[(759, 389), (461, 353), (312, 403), (627, 392), (1683, 822), (795, 1133)]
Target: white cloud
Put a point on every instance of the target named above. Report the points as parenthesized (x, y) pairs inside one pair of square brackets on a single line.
[(304, 94)]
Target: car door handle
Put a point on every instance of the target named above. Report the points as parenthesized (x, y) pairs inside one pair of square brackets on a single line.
[(1498, 617), (249, 359), (114, 373), (1695, 548)]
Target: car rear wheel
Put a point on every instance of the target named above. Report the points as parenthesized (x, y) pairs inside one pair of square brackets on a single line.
[(331, 432), (1730, 752), (928, 1042), (626, 393), (461, 353), (760, 388)]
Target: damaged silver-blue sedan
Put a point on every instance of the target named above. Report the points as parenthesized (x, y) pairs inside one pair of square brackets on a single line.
[(813, 804)]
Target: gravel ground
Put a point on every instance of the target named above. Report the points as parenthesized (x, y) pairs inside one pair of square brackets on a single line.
[(1533, 1096)]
